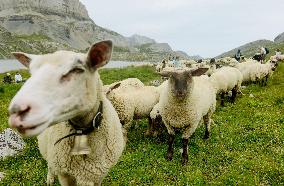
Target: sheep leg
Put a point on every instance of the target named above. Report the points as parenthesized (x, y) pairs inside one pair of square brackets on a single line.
[(66, 180), (50, 178), (265, 82), (234, 94), (207, 122), (184, 151), (157, 127), (170, 147), (151, 123), (127, 125), (222, 99)]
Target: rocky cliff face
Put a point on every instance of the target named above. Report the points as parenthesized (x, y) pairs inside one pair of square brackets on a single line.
[(137, 40), (66, 22), (70, 8)]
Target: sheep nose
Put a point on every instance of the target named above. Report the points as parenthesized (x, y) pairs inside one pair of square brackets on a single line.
[(20, 111)]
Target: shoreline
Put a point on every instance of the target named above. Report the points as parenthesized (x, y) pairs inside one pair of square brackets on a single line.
[(7, 65)]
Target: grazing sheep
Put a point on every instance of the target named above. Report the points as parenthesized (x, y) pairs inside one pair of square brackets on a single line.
[(63, 103), (184, 102), (256, 72), (154, 124), (266, 70), (227, 79), (133, 102), (249, 70)]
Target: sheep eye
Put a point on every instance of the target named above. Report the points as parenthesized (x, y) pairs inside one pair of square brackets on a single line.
[(76, 71), (68, 75)]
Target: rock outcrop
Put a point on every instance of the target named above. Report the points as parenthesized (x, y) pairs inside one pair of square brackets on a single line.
[(67, 23)]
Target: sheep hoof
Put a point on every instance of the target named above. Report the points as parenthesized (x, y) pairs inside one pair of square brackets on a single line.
[(155, 134), (148, 133), (184, 161), (50, 180), (206, 135)]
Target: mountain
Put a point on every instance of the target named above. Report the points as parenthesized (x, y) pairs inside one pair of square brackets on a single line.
[(66, 24), (248, 49), (137, 40), (31, 44), (279, 38)]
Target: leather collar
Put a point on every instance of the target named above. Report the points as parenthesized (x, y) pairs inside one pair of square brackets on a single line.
[(94, 124)]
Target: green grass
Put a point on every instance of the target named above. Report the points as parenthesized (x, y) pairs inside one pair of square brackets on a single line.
[(245, 148)]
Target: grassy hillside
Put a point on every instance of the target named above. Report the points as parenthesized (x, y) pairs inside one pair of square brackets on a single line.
[(245, 148)]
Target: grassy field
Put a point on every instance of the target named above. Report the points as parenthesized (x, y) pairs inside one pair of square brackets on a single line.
[(245, 148)]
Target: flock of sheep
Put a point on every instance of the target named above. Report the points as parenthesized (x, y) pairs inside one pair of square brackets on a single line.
[(182, 101)]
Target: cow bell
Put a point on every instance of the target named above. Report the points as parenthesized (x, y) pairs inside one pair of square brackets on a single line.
[(81, 145)]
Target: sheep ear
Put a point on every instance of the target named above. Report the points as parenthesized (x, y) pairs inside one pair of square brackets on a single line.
[(199, 71), (113, 87), (99, 54), (24, 58)]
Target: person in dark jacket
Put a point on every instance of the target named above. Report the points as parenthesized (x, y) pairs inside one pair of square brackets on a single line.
[(238, 55), (7, 78)]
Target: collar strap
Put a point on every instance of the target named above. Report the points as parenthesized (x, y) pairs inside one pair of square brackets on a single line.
[(94, 124)]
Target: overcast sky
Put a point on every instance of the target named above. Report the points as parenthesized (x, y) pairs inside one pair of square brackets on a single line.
[(204, 27)]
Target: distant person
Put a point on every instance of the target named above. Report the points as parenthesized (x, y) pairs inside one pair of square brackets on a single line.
[(164, 63), (176, 62), (238, 55), (7, 78), (18, 77), (263, 52)]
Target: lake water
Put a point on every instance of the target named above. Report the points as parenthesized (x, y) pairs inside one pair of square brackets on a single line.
[(12, 64)]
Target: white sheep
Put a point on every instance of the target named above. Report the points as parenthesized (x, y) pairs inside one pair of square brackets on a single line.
[(255, 72), (133, 102), (266, 70), (249, 70), (184, 102), (155, 117), (227, 79), (64, 97)]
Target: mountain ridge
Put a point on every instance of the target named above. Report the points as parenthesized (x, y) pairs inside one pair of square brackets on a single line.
[(249, 49), (67, 23)]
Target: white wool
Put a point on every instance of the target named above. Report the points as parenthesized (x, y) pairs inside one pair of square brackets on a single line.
[(66, 86), (200, 101), (254, 71), (134, 102), (130, 82), (226, 78), (106, 143), (249, 70)]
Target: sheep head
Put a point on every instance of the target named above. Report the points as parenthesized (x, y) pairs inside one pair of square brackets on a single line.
[(181, 81), (63, 85)]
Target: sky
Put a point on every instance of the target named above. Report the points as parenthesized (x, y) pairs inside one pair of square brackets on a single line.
[(198, 27)]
